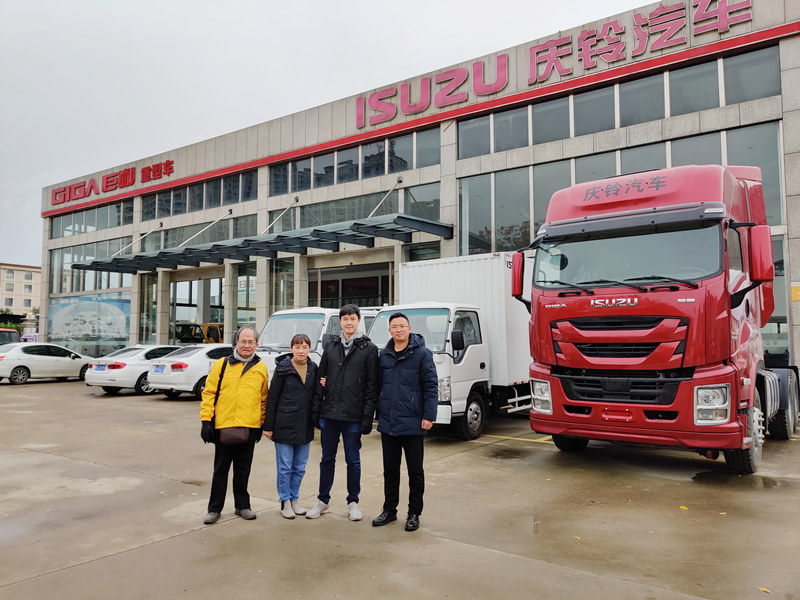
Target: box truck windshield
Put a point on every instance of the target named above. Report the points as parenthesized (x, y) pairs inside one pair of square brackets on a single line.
[(676, 252), (430, 323)]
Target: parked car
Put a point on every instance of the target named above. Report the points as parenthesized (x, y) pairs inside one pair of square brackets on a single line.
[(21, 361), (126, 368), (198, 333), (186, 369), (8, 336)]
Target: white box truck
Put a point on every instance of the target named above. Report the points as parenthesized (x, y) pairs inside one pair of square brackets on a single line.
[(477, 332)]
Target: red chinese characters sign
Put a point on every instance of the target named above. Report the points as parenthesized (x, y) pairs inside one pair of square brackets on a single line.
[(664, 28), (110, 182)]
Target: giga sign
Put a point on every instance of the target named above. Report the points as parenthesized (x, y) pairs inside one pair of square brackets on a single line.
[(111, 182), (665, 27)]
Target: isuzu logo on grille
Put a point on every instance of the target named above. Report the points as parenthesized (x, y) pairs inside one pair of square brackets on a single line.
[(613, 302)]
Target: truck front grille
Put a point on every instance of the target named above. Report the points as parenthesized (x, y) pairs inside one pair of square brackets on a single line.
[(638, 387), (632, 350)]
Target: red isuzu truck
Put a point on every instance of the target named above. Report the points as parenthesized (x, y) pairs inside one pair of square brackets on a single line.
[(648, 297)]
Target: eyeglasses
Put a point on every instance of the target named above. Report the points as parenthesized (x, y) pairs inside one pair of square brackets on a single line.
[(247, 343), (398, 327)]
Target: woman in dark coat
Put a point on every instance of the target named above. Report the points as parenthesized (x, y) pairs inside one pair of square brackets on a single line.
[(288, 420)]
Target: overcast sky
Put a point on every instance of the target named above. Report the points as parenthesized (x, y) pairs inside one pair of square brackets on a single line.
[(87, 85)]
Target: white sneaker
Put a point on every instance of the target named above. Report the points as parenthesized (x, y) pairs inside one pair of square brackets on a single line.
[(355, 512), (320, 508), (298, 510), (286, 510)]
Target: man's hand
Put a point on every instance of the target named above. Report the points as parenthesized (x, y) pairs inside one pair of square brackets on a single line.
[(426, 425), (207, 432)]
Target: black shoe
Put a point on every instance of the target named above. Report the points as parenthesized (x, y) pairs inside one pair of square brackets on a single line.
[(384, 518), (412, 522)]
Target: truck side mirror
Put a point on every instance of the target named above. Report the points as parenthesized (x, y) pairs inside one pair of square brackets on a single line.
[(517, 273), (761, 267), (457, 340)]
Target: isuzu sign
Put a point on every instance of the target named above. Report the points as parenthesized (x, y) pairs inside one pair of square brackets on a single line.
[(613, 302)]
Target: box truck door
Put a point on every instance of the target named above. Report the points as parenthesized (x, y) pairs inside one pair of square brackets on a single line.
[(472, 363)]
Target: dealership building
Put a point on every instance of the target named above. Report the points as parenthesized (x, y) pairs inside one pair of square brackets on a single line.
[(320, 207)]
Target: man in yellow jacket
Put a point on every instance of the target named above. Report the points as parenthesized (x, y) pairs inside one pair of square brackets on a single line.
[(241, 403)]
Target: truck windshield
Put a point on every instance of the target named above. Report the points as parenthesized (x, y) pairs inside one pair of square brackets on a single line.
[(678, 253), (280, 330), (430, 323)]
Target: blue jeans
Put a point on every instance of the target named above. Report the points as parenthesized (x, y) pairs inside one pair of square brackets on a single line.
[(351, 439), (291, 460)]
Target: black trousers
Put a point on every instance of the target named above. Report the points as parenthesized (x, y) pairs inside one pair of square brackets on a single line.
[(241, 457), (393, 448)]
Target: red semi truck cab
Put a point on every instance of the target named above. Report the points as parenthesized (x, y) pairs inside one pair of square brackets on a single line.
[(649, 293)]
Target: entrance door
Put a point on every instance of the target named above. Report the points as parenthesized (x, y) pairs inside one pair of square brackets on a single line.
[(363, 285)]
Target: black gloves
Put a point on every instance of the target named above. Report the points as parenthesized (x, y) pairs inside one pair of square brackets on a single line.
[(207, 432), (366, 427), (315, 420)]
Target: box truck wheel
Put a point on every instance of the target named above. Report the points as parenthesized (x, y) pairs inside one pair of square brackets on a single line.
[(785, 422), (470, 425), (566, 443), (746, 461)]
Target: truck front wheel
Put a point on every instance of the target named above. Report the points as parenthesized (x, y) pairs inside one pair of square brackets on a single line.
[(566, 443), (745, 461), (470, 425)]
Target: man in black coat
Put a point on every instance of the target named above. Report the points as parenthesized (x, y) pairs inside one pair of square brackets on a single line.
[(345, 408), (406, 412)]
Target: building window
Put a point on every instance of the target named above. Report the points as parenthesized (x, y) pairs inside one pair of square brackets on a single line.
[(213, 193), (90, 220), (323, 170), (422, 201), (28, 276), (641, 100), (179, 201), (511, 129), (282, 282), (27, 288), (473, 137), (102, 216), (55, 228), (697, 150), (249, 185), (286, 222), (148, 207), (593, 111), (753, 75), (8, 302), (230, 190), (475, 216), (163, 204), (759, 145), (596, 166), (26, 303), (347, 209), (401, 153), (373, 160), (512, 200), (279, 179), (548, 178), (551, 121), (246, 226), (9, 274), (643, 158), (429, 147), (196, 197), (9, 287), (693, 89), (347, 165)]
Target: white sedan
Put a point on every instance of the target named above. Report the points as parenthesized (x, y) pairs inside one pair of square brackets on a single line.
[(186, 369), (21, 361), (125, 368)]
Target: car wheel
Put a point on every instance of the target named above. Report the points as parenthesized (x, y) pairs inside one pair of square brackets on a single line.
[(19, 375), (82, 374), (110, 389), (143, 386), (199, 387), (172, 393)]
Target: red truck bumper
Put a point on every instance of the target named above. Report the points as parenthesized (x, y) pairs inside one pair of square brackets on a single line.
[(662, 425)]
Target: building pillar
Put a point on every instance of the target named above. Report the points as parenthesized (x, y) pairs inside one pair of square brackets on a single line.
[(263, 286), (203, 314), (135, 318), (300, 281), (163, 307), (230, 299)]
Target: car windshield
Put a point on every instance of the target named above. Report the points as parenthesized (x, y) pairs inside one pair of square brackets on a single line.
[(280, 329), (430, 323), (186, 351), (124, 352), (684, 252)]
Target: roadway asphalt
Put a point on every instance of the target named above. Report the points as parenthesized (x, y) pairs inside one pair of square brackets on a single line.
[(103, 497)]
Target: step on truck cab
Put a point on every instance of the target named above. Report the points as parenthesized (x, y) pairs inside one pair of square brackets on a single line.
[(649, 292)]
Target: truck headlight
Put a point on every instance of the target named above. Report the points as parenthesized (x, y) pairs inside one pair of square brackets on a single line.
[(541, 401), (712, 404), (445, 393)]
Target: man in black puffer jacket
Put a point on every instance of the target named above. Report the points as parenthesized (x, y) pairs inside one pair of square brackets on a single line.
[(346, 407), (406, 412)]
